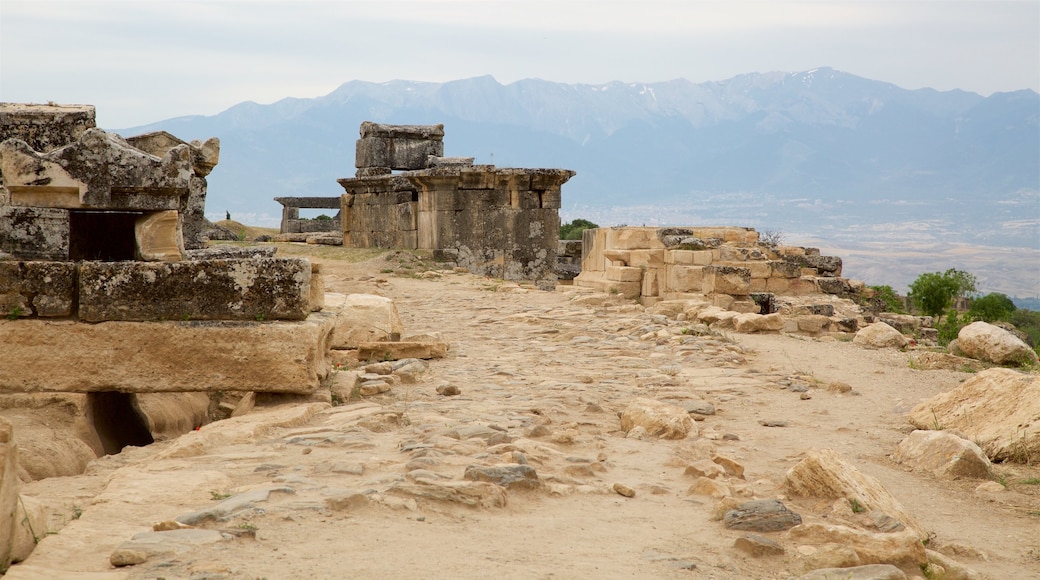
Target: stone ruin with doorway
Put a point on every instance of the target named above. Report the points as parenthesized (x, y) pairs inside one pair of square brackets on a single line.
[(498, 222), (107, 290)]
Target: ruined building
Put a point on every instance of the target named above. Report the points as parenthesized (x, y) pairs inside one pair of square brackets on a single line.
[(492, 221), (104, 286)]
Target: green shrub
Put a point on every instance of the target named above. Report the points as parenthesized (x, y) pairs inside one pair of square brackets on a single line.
[(992, 307), (573, 230), (886, 298), (933, 292)]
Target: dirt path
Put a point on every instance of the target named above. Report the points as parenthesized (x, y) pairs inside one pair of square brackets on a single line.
[(543, 376)]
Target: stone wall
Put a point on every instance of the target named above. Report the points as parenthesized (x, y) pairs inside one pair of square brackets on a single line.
[(293, 224), (495, 222), (727, 264)]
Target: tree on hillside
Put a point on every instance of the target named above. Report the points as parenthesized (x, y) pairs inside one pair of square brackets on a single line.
[(573, 230), (933, 292), (992, 307)]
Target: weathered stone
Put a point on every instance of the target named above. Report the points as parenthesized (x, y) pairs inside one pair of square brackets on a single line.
[(943, 454), (145, 545), (732, 467), (704, 468), (987, 342), (190, 356), (515, 476), (468, 493), (726, 280), (999, 409), (401, 350), (158, 238), (898, 548), (868, 572), (45, 127), (826, 474), (761, 515), (263, 289), (879, 335), (623, 490), (9, 488), (751, 322), (34, 233), (709, 487), (951, 569), (363, 318), (37, 289), (658, 419), (448, 390), (758, 546)]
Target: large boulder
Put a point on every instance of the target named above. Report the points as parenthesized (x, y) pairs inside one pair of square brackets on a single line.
[(659, 419), (750, 322), (943, 454), (879, 335), (984, 341), (902, 548), (999, 409), (826, 474)]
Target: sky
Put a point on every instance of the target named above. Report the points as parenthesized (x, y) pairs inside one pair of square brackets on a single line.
[(143, 61)]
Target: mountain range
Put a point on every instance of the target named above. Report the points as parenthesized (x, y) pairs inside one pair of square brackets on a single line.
[(819, 153)]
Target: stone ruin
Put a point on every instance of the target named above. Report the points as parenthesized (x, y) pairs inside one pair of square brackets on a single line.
[(295, 229), (496, 222), (727, 267), (106, 289)]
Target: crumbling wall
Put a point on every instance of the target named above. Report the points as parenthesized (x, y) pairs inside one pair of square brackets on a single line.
[(727, 264)]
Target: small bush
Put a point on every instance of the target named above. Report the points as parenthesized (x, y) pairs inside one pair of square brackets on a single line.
[(573, 230)]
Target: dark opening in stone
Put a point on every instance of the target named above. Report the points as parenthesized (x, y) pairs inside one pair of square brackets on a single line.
[(102, 235), (117, 421)]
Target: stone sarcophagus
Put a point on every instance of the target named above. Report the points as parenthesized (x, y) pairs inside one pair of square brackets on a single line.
[(499, 222)]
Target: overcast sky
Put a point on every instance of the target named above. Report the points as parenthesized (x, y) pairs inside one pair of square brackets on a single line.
[(141, 61)]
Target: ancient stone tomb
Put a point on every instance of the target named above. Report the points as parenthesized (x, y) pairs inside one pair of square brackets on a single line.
[(492, 221), (103, 282)]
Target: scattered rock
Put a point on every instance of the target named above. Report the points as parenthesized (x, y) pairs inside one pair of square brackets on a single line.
[(868, 572), (762, 515), (709, 487), (897, 548), (984, 341), (772, 423), (658, 419), (448, 390), (944, 454), (732, 468), (999, 409), (517, 476), (622, 489), (952, 570), (879, 335), (705, 468), (839, 387), (826, 474), (758, 546)]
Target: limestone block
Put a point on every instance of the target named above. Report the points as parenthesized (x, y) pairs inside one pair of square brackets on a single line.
[(618, 257), (646, 258), (624, 274), (146, 357), (34, 233), (157, 237), (628, 290), (879, 335), (943, 454), (9, 488), (396, 152), (31, 526), (683, 257), (997, 408), (903, 548), (813, 323), (758, 284), (44, 289), (630, 238), (362, 318), (552, 198), (652, 282), (680, 278), (785, 270), (987, 342), (260, 289), (727, 280), (316, 295), (779, 286), (703, 257), (659, 419), (45, 127), (826, 474), (380, 351), (751, 322)]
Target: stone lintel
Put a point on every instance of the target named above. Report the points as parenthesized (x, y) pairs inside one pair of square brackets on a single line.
[(430, 132), (310, 202), (152, 357), (247, 289)]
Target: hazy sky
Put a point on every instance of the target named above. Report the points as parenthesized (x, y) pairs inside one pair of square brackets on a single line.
[(141, 61)]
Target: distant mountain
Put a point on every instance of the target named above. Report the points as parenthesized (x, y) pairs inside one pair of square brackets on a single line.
[(819, 151)]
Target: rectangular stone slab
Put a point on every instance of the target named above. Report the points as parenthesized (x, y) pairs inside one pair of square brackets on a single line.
[(153, 357), (247, 289)]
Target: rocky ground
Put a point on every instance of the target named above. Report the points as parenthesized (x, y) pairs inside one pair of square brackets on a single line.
[(399, 483)]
